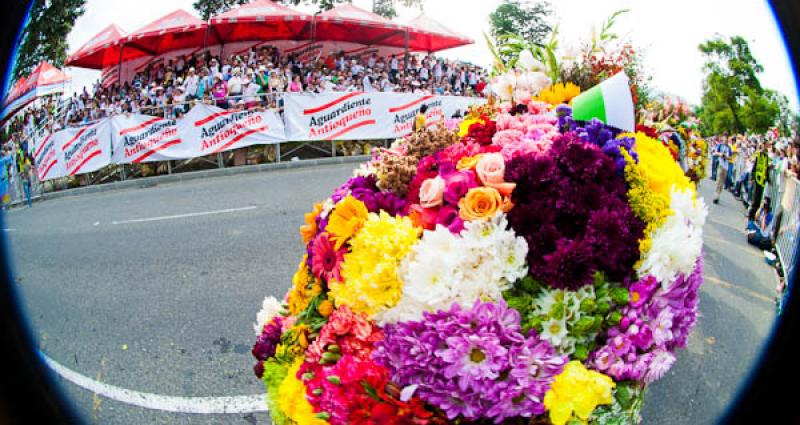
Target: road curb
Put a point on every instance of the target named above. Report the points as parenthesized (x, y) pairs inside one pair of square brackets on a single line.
[(146, 182)]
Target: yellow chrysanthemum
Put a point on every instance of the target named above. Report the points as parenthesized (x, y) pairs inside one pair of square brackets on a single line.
[(658, 167), (557, 94), (304, 287), (576, 392), (369, 271), (346, 219), (463, 128), (649, 207), (292, 401), (309, 230), (293, 343)]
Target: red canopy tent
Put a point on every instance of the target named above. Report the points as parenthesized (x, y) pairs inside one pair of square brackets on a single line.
[(355, 25), (44, 80), (426, 34), (176, 31), (101, 50), (261, 20)]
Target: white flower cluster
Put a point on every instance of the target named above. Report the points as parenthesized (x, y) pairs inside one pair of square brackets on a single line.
[(443, 268), (560, 310), (270, 308), (679, 242), (524, 82)]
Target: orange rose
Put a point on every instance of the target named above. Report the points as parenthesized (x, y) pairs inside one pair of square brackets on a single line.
[(480, 203), (468, 162)]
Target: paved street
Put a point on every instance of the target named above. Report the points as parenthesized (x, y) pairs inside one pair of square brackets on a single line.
[(155, 290)]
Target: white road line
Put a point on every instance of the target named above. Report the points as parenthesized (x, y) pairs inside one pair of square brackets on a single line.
[(202, 405), (197, 214)]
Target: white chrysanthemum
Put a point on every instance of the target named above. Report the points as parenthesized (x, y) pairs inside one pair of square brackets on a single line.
[(504, 86), (364, 170), (678, 243), (327, 207), (480, 263), (554, 331), (270, 308), (544, 302)]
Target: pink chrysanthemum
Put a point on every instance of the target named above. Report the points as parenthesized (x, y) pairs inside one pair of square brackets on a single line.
[(326, 260)]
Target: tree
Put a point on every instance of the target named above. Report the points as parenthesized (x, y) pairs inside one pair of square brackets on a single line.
[(733, 99), (523, 18), (44, 38), (388, 8), (322, 4), (209, 8)]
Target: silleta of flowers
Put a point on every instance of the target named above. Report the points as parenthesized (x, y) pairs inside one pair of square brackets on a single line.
[(521, 267)]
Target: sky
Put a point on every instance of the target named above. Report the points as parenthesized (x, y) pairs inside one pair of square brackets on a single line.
[(667, 32)]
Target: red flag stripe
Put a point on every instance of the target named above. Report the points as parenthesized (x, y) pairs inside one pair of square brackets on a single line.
[(140, 126), (212, 117), (335, 102), (156, 149), (47, 170), (349, 129), (85, 160), (240, 137), (408, 105), (44, 142)]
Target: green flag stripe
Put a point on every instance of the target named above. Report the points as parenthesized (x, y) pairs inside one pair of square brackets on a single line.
[(590, 104)]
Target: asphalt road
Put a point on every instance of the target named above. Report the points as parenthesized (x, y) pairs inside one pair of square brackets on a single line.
[(135, 289)]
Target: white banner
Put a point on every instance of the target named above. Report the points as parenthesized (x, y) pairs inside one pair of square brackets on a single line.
[(140, 138), (47, 156), (363, 116), (209, 129), (331, 116), (85, 149)]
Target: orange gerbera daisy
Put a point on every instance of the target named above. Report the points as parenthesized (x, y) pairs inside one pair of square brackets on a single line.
[(346, 219)]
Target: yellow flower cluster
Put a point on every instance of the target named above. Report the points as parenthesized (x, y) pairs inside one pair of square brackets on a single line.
[(346, 219), (293, 343), (292, 401), (369, 271), (304, 288), (558, 94), (658, 167), (576, 392), (650, 208)]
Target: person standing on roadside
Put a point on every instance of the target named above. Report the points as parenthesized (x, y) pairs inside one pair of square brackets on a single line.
[(27, 178), (760, 176), (5, 163), (723, 154)]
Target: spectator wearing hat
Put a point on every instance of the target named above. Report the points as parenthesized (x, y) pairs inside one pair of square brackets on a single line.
[(219, 91)]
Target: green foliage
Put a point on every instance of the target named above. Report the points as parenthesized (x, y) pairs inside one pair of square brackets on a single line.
[(388, 8), (526, 19), (733, 99), (208, 8), (599, 41), (45, 36)]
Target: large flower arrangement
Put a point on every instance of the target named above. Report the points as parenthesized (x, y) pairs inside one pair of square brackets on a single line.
[(521, 268)]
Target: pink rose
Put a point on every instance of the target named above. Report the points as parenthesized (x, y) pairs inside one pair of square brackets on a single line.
[(431, 192), (491, 171), (491, 168)]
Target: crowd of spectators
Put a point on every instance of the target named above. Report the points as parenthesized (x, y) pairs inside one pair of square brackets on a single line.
[(747, 166)]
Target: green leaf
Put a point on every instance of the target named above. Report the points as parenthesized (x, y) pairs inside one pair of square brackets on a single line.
[(621, 296), (370, 391)]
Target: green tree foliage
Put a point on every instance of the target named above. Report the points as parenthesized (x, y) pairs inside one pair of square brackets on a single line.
[(45, 36), (523, 18), (733, 99), (209, 8), (388, 8), (322, 4)]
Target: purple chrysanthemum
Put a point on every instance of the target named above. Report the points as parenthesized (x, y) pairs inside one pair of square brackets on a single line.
[(266, 343), (572, 209), (472, 363)]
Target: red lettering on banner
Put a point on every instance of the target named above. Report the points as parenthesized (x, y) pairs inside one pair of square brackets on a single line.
[(79, 158), (341, 122), (88, 158), (145, 145), (47, 170), (233, 131), (156, 149), (71, 141)]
